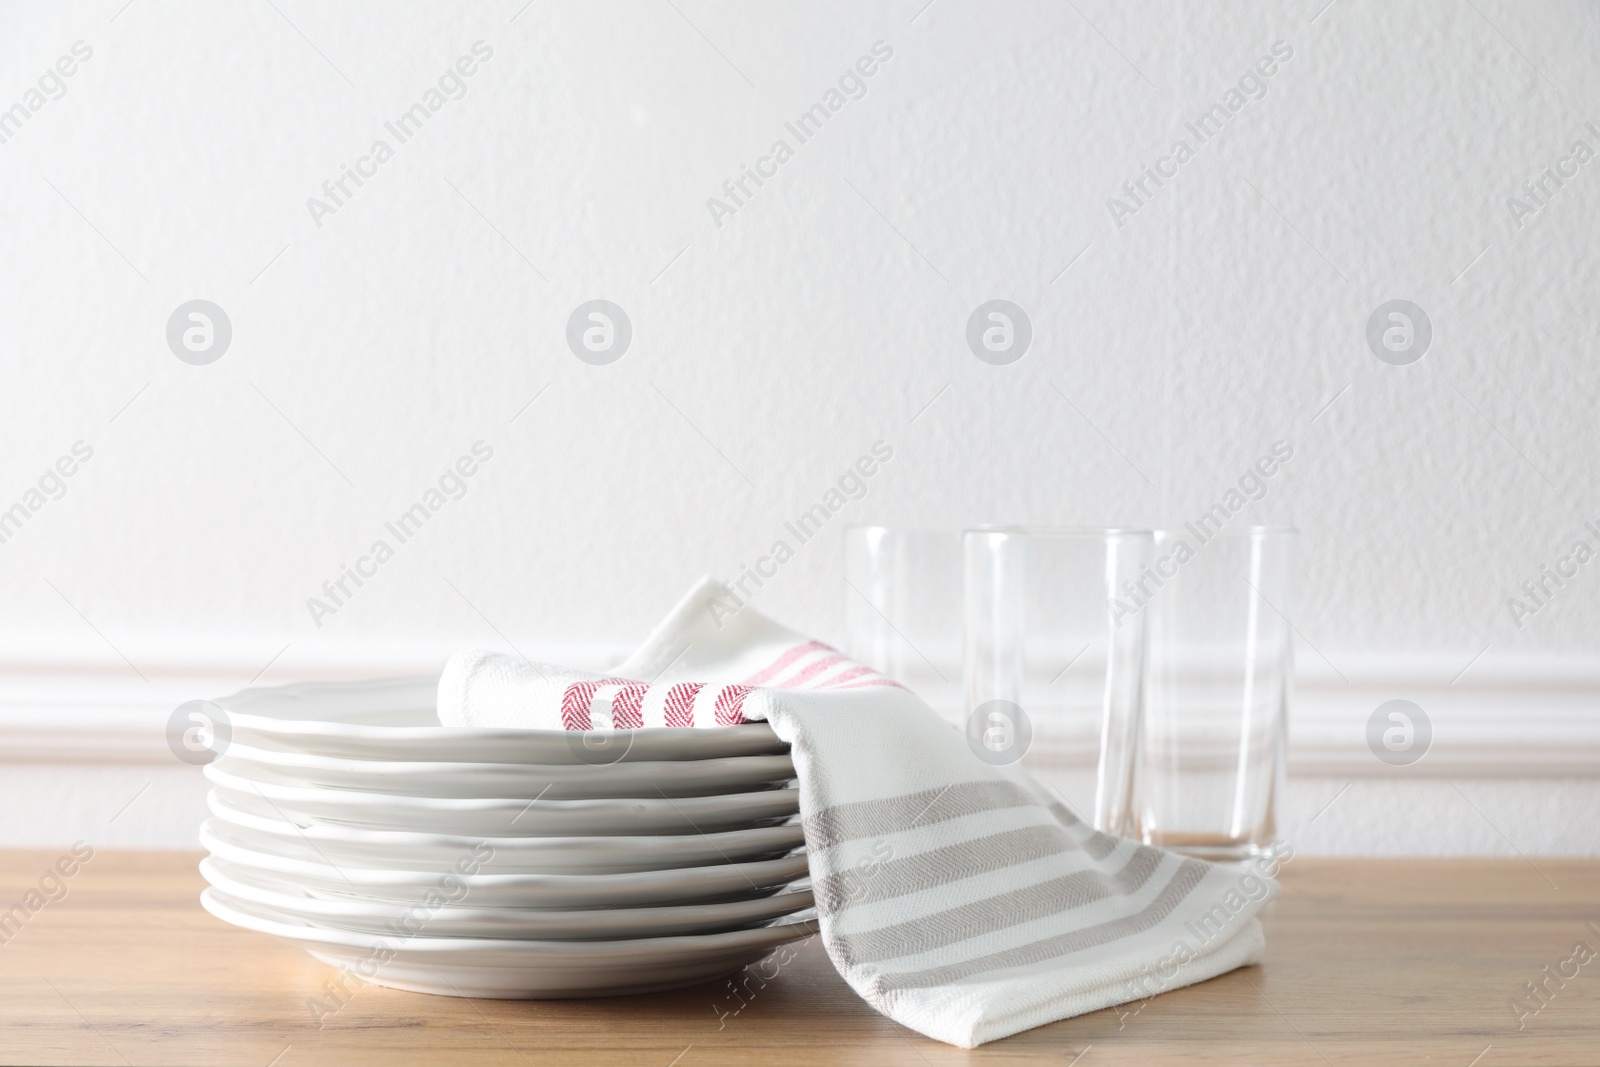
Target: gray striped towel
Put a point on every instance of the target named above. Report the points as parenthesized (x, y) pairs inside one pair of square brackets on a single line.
[(959, 898)]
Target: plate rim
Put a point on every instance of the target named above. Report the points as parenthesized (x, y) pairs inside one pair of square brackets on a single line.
[(394, 876), (381, 767), (414, 838), (619, 949), (366, 798), (310, 727), (383, 909)]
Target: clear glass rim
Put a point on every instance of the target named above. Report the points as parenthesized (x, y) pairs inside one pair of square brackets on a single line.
[(1235, 531), (909, 527), (962, 529), (1104, 533), (1029, 530)]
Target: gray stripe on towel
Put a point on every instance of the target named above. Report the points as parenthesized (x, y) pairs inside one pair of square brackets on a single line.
[(1002, 911), (880, 817), (890, 877), (1183, 882)]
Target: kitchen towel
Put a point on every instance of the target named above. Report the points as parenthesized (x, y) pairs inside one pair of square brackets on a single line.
[(959, 898)]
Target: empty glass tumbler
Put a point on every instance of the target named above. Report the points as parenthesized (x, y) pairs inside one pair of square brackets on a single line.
[(1210, 758), (902, 600), (1053, 674)]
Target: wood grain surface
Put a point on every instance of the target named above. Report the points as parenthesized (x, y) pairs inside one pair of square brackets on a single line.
[(1368, 962)]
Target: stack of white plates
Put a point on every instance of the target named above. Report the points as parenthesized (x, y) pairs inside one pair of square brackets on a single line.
[(500, 863)]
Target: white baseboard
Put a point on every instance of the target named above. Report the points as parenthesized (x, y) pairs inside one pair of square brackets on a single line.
[(70, 707), (1526, 716), (1501, 716)]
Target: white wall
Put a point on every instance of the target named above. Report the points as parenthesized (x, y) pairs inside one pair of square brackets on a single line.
[(828, 313)]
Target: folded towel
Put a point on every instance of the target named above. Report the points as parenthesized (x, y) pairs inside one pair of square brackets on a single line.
[(959, 898)]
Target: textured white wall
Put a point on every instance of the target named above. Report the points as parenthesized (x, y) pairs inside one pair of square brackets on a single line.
[(372, 350)]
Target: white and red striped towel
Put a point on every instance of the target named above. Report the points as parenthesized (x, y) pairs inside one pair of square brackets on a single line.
[(959, 898)]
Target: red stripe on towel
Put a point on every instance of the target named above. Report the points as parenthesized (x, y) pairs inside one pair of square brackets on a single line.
[(730, 703), (848, 676), (871, 681), (576, 700), (680, 703), (785, 661), (627, 707), (827, 663)]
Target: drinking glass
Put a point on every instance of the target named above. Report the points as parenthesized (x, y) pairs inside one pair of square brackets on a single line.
[(1049, 655), (903, 608), (1209, 768)]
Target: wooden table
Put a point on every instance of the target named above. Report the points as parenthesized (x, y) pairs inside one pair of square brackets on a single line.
[(1369, 961)]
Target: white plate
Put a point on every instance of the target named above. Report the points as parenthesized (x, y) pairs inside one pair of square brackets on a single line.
[(388, 849), (711, 883), (459, 920), (596, 854), (472, 817), (427, 778), (395, 718), (519, 969)]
